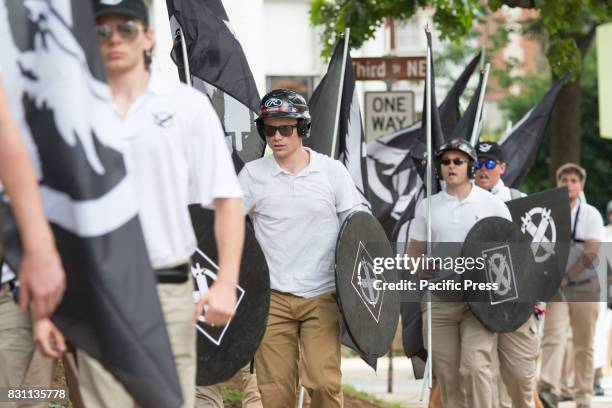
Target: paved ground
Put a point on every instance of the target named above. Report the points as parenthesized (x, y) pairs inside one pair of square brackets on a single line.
[(407, 390)]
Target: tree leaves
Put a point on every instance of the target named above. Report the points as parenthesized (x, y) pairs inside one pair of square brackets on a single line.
[(564, 22)]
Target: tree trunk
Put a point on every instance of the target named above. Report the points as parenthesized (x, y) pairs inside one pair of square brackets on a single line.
[(565, 132), (565, 129)]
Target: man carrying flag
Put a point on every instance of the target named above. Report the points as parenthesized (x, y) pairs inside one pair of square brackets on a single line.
[(461, 345), (297, 199), (176, 154)]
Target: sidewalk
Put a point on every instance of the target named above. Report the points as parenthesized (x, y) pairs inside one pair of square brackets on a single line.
[(406, 390)]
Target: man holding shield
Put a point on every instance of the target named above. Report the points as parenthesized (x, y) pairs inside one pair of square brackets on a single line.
[(461, 345)]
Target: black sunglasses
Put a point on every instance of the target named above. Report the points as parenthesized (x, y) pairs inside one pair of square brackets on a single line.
[(284, 130), (489, 164), (128, 30), (456, 161)]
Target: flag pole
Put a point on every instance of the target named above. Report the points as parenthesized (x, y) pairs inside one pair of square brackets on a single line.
[(185, 58), (428, 176), (477, 119), (347, 33)]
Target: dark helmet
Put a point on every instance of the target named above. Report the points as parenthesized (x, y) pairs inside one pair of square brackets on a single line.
[(458, 144), (284, 103), (461, 145)]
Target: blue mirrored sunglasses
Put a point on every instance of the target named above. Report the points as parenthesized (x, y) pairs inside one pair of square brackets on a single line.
[(489, 164)]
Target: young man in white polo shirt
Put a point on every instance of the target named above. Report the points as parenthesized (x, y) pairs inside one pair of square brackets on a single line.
[(579, 316), (176, 154), (462, 346), (296, 199), (517, 352)]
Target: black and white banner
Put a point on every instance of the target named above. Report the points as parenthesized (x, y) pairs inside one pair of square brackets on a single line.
[(350, 147), (218, 68), (52, 71)]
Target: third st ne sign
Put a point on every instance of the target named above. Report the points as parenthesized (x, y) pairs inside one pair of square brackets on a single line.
[(390, 68)]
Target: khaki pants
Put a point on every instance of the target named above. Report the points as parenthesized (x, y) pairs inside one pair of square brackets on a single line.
[(462, 349), (560, 317), (21, 365), (210, 396), (312, 326), (98, 388), (567, 375), (499, 392), (518, 352)]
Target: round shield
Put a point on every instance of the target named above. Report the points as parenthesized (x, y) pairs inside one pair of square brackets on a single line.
[(371, 315), (544, 219), (222, 351), (499, 289)]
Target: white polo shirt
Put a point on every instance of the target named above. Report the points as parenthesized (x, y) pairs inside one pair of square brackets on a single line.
[(451, 219), (175, 151), (296, 219), (503, 192), (589, 225)]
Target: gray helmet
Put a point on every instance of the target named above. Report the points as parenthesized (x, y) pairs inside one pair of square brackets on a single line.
[(458, 144)]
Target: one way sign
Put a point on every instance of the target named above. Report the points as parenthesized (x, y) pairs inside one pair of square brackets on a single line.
[(386, 112)]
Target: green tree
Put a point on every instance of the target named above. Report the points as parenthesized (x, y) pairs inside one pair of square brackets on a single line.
[(567, 27)]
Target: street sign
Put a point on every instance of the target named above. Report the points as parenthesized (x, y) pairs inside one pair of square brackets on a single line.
[(390, 68), (386, 112)]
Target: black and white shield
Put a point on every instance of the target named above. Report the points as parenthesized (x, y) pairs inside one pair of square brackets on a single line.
[(370, 313), (544, 219), (222, 351), (506, 300)]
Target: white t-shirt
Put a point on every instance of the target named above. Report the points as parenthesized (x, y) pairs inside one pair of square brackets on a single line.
[(451, 219), (296, 219), (588, 225), (175, 151), (500, 190)]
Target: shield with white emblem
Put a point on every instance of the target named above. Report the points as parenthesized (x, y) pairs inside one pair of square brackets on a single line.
[(544, 219), (498, 289), (222, 351), (370, 312)]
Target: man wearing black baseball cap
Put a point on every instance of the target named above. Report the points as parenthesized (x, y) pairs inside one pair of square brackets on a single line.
[(175, 152), (490, 166), (514, 362)]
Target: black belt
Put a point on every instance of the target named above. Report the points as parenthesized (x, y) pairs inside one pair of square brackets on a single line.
[(579, 283), (175, 274)]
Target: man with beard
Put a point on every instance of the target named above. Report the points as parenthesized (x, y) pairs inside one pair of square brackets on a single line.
[(462, 346)]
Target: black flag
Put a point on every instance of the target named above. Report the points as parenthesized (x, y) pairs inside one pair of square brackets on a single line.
[(350, 147), (468, 120), (52, 71), (520, 145), (219, 68), (392, 176), (449, 108)]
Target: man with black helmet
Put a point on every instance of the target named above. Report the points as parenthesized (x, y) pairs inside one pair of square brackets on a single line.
[(176, 154), (515, 358), (461, 345), (296, 199)]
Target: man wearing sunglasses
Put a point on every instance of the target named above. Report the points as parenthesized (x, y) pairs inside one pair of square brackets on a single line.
[(176, 154), (489, 168), (462, 346), (514, 363), (297, 199)]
